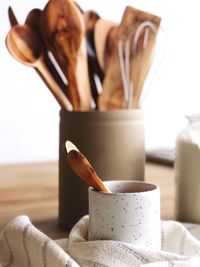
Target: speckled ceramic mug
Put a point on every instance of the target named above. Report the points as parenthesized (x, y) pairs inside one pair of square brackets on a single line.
[(131, 213)]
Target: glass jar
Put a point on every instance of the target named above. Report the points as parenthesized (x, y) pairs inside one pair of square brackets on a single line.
[(187, 172)]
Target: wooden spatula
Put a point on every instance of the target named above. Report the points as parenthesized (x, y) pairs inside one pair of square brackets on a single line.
[(112, 94), (62, 28), (131, 20), (81, 166), (141, 59), (101, 31)]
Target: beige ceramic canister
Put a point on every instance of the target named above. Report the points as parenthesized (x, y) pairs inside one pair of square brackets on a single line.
[(187, 172), (112, 141)]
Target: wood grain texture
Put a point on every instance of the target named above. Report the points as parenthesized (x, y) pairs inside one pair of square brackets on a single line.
[(24, 45), (62, 28), (33, 20), (83, 169), (32, 189), (101, 32), (112, 96)]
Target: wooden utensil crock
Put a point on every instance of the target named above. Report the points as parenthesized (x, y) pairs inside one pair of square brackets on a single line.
[(113, 142)]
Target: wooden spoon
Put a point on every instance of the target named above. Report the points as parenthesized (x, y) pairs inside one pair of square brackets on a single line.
[(33, 20), (25, 46), (81, 166), (63, 30)]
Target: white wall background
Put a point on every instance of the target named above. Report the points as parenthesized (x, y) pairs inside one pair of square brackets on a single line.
[(29, 115)]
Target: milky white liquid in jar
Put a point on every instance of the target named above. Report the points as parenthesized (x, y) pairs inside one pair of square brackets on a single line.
[(187, 172)]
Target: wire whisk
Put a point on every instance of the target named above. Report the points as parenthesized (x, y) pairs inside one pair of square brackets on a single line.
[(129, 65)]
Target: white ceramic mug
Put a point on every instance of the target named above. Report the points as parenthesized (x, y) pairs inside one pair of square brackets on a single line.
[(131, 213)]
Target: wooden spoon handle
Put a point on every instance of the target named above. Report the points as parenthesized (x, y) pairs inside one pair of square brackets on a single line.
[(12, 17), (145, 59), (53, 86)]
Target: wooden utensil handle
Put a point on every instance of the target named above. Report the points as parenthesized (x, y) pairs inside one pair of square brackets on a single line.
[(53, 86), (12, 17)]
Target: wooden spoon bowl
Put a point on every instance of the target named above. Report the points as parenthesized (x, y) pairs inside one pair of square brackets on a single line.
[(81, 167), (25, 46), (33, 20)]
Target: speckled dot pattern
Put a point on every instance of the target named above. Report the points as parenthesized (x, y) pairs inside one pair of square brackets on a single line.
[(126, 215)]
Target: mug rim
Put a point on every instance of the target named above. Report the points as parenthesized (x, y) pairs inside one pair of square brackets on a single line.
[(149, 187)]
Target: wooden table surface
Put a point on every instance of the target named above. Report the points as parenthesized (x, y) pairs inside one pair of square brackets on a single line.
[(32, 190)]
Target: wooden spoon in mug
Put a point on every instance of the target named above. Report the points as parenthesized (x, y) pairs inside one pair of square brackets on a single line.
[(26, 47), (81, 167)]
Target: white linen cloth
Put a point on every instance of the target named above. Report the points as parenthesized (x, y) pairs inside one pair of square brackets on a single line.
[(22, 245)]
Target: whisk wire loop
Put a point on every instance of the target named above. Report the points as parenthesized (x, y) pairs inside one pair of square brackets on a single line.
[(124, 60)]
